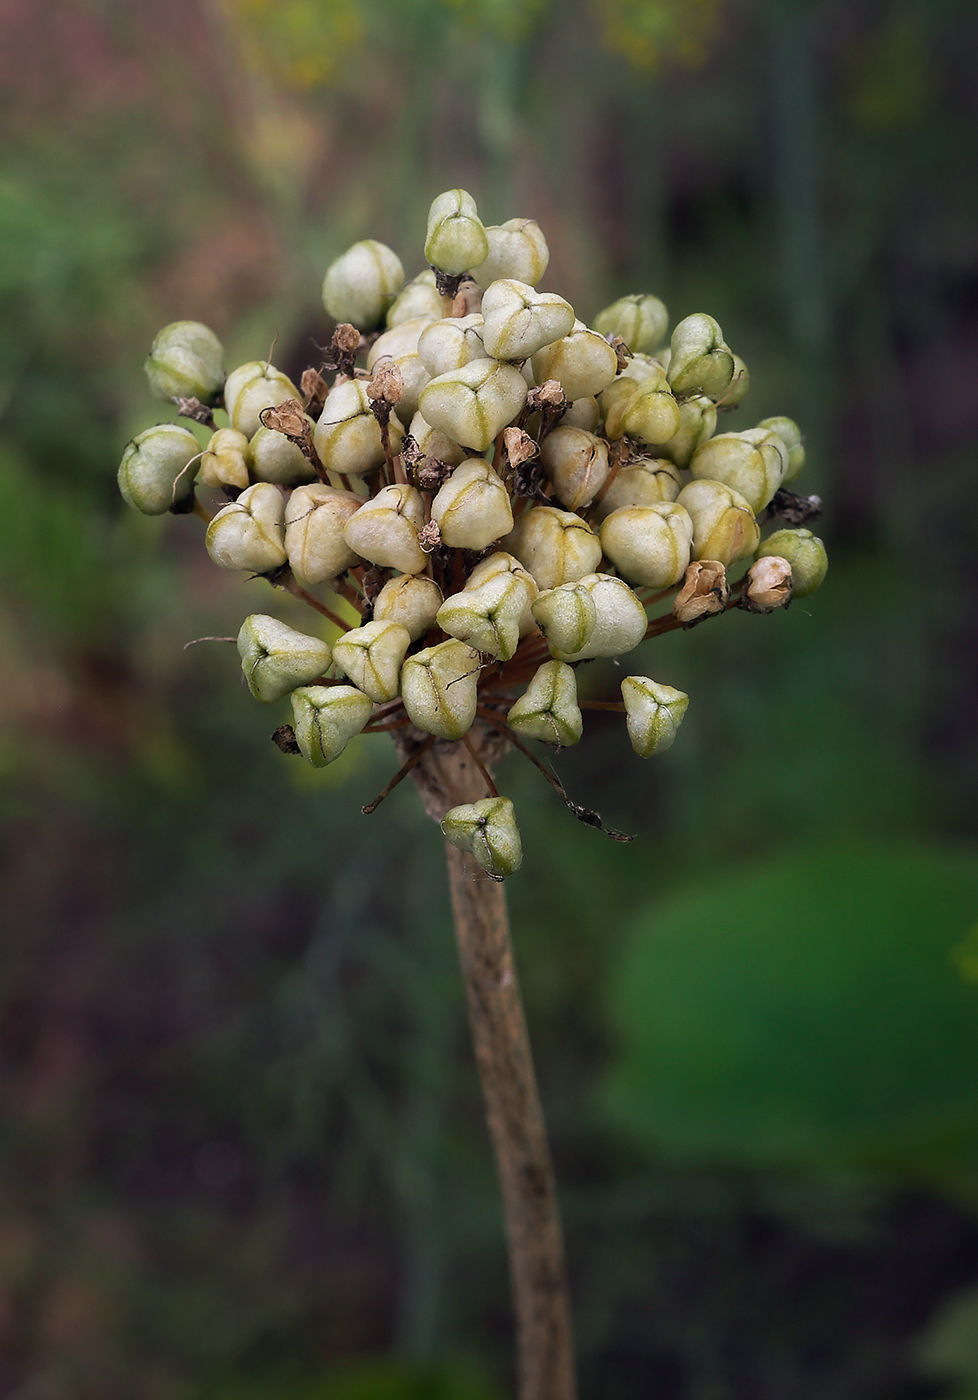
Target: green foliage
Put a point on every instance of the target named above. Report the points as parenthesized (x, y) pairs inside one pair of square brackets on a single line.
[(805, 1012)]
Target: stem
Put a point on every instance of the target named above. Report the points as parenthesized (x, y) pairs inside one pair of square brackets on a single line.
[(545, 1357)]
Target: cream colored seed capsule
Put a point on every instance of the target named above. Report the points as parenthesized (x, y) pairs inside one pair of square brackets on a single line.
[(315, 519), (275, 658), (582, 413), (439, 688), (641, 321), (276, 459), (226, 461), (436, 444), (649, 545), (486, 830), (487, 616), (472, 404), (548, 710), (456, 239), (420, 298), (582, 363), (473, 508), (724, 527), (790, 434), (501, 563), (517, 249), (654, 712), (326, 718), (451, 343), (644, 483), (248, 534), (556, 546), (347, 436), (371, 657), (598, 615), (577, 463), (402, 339), (614, 401), (251, 389), (361, 284), (752, 463), (519, 321), (699, 361), (412, 600), (385, 529), (697, 424)]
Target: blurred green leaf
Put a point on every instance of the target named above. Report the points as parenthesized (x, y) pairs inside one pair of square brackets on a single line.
[(806, 1011), (378, 1380)]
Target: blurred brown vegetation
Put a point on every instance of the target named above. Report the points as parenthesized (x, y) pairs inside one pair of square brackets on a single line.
[(241, 1142)]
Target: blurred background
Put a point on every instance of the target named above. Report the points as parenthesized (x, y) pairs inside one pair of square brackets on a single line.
[(241, 1147)]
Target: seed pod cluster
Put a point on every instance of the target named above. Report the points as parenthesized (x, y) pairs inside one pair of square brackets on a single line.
[(500, 490)]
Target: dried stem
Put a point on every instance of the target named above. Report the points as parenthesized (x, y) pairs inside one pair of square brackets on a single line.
[(447, 778)]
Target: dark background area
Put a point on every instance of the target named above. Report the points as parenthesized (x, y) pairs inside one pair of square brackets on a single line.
[(241, 1148)]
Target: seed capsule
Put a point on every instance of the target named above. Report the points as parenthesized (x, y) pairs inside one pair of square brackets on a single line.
[(326, 718), (456, 239), (641, 321), (790, 434), (724, 527), (472, 404), (156, 471), (277, 459), (805, 553), (697, 424), (699, 361), (451, 343), (487, 616), (752, 463), (767, 585), (739, 384), (401, 339), (251, 389), (315, 519), (186, 362), (276, 658), (248, 533), (517, 249), (420, 298), (582, 363), (518, 321), (651, 413), (704, 592), (644, 483), (360, 286), (654, 712), (556, 546), (439, 688), (472, 509), (436, 444), (548, 710), (582, 413), (488, 831), (372, 655), (412, 600), (226, 461), (577, 463), (385, 529), (598, 615), (650, 545), (501, 563), (347, 436)]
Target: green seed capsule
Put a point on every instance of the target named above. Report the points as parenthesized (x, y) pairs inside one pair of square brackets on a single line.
[(276, 659), (641, 321), (156, 471), (456, 239), (699, 361), (518, 321), (548, 710), (248, 534), (805, 553), (488, 831), (371, 656), (439, 688), (326, 718), (186, 362), (654, 712)]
